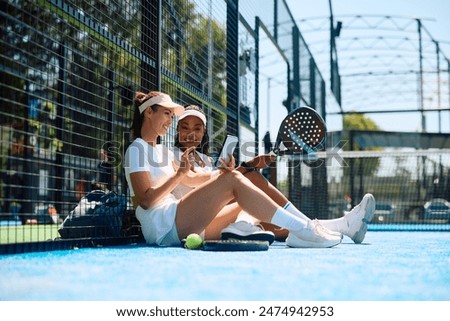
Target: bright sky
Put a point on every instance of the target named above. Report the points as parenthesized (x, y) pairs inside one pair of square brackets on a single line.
[(434, 13), (435, 16)]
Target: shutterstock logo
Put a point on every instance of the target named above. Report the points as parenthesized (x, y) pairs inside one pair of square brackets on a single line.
[(326, 158), (330, 157), (217, 132), (314, 160)]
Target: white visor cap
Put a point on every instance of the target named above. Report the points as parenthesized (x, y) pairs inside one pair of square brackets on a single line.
[(162, 100), (194, 113)]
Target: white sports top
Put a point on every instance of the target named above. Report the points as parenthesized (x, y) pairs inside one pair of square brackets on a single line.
[(142, 157)]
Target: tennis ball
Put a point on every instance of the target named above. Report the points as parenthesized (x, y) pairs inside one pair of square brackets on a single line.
[(193, 241)]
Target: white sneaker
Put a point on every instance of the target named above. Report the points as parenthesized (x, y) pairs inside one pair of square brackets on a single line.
[(359, 217), (314, 235), (243, 230), (331, 232)]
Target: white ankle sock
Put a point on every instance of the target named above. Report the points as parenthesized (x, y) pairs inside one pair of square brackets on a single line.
[(287, 220), (294, 210), (338, 225)]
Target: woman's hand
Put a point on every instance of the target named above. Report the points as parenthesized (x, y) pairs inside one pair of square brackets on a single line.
[(227, 166), (187, 161)]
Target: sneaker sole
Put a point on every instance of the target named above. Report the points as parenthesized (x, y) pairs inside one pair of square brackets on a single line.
[(299, 243), (369, 211), (251, 237)]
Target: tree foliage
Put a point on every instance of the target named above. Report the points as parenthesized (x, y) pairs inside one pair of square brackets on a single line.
[(360, 166)]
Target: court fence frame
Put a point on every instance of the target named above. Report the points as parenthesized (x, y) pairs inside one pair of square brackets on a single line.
[(69, 70)]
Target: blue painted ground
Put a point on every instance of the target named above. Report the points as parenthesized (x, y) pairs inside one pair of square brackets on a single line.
[(392, 266)]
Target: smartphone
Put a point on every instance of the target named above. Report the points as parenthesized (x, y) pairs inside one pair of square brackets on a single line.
[(227, 149)]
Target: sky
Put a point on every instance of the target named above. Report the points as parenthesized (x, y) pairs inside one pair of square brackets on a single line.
[(435, 16)]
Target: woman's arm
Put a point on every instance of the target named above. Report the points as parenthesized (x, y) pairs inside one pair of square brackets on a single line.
[(197, 175), (256, 163), (146, 195), (194, 179)]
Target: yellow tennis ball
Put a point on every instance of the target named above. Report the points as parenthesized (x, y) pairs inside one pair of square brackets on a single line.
[(193, 241)]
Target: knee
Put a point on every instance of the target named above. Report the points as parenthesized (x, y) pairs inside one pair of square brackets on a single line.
[(232, 177), (237, 176)]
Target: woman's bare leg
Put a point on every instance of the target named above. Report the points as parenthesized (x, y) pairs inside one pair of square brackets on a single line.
[(339, 225), (197, 209), (225, 217), (260, 181)]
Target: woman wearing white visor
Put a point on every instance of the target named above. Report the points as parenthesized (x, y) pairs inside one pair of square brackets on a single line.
[(152, 174), (192, 132)]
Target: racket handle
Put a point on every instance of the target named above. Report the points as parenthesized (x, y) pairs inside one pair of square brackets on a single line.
[(300, 142), (279, 148)]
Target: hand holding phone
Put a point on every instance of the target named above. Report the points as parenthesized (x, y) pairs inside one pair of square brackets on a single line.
[(186, 160), (191, 158), (227, 150)]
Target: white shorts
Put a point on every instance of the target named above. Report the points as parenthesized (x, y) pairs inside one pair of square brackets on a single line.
[(158, 223)]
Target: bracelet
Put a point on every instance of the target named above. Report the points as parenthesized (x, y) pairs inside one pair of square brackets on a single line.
[(247, 167)]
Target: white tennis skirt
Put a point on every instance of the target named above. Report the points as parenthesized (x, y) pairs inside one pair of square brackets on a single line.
[(158, 223)]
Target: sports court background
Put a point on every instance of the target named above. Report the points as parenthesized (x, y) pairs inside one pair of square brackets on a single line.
[(69, 70)]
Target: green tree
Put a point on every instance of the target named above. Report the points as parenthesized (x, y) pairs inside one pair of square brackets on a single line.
[(361, 167), (358, 122), (194, 49)]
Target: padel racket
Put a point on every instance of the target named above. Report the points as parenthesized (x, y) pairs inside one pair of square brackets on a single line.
[(255, 236), (302, 131), (233, 245)]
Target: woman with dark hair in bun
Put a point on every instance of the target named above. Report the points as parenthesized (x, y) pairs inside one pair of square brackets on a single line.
[(192, 132)]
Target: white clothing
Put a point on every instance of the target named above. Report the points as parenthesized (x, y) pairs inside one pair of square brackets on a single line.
[(158, 221), (183, 189)]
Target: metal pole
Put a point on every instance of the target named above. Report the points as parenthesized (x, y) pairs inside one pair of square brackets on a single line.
[(257, 85), (60, 125), (210, 51), (268, 104), (110, 135), (419, 29), (331, 46), (438, 84), (352, 170)]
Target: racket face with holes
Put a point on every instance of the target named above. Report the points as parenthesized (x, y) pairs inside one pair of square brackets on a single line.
[(303, 131)]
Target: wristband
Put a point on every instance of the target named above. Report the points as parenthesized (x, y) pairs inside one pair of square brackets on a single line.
[(247, 167)]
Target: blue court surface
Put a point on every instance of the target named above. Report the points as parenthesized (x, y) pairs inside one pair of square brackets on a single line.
[(393, 266)]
